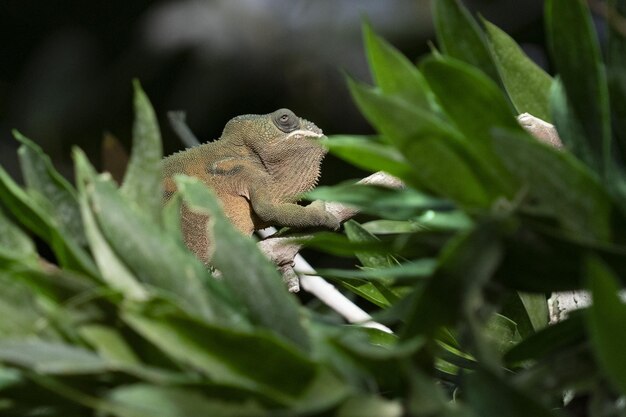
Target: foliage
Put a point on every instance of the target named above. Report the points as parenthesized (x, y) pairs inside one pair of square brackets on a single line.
[(122, 320)]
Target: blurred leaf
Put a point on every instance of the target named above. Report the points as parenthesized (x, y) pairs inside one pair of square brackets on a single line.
[(529, 311), (568, 189), (536, 307), (141, 400), (109, 343), (605, 321), (438, 157), (465, 265), (476, 112), (142, 182), (113, 270), (491, 396), (14, 243), (405, 272), (154, 257), (340, 245), (394, 73), (616, 72), (460, 37), (50, 189), (372, 155), (577, 59), (527, 84), (502, 332), (253, 280), (275, 369), (385, 202), (51, 358), (548, 341), (29, 213), (431, 220), (370, 406)]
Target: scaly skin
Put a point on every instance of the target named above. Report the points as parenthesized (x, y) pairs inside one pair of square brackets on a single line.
[(257, 168)]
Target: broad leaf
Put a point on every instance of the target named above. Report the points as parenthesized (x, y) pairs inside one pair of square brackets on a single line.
[(460, 37), (253, 280), (527, 84), (571, 193), (577, 59), (154, 257), (142, 182), (371, 154), (255, 360), (394, 73), (439, 158), (50, 189)]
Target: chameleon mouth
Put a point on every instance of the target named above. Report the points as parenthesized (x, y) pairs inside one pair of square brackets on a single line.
[(305, 133)]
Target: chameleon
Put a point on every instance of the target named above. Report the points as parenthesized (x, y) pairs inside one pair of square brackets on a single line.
[(257, 168)]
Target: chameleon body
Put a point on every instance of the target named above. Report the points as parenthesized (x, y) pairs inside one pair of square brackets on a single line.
[(257, 168)]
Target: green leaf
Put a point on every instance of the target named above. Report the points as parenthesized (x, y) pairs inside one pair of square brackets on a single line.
[(529, 311), (605, 321), (502, 332), (475, 112), (29, 213), (370, 154), (460, 37), (394, 73), (385, 202), (465, 265), (253, 279), (438, 157), (527, 84), (616, 72), (536, 307), (142, 182), (405, 272), (577, 59), (113, 270), (571, 193), (139, 400), (549, 341), (491, 396), (50, 189), (429, 221), (109, 343), (370, 406), (154, 257), (14, 243), (52, 358), (254, 360)]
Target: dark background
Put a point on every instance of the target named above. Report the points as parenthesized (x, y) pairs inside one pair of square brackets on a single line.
[(66, 67)]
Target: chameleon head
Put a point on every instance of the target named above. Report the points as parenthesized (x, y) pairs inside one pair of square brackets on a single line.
[(285, 144)]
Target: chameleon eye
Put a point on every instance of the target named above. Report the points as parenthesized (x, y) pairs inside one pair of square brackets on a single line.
[(285, 120)]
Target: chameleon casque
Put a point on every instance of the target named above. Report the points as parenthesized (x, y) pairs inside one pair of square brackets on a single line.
[(257, 168)]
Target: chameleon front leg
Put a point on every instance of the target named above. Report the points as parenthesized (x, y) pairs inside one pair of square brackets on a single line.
[(290, 214)]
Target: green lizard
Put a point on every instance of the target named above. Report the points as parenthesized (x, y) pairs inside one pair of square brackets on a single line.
[(257, 168)]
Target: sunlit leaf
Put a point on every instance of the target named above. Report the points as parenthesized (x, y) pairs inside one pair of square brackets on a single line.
[(460, 37), (527, 84), (253, 280), (142, 182), (394, 73)]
